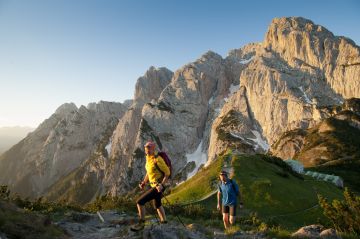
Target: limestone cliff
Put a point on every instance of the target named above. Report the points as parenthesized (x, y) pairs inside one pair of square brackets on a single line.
[(57, 147)]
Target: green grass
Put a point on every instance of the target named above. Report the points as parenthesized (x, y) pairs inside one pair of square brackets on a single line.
[(269, 190), (17, 223), (342, 141), (198, 186)]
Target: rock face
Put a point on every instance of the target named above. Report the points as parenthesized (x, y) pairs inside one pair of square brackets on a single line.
[(285, 88), (58, 146), (315, 231), (247, 101), (126, 143), (306, 45), (332, 141)]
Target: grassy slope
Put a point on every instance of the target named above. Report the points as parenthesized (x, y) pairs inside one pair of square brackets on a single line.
[(17, 223), (269, 190), (198, 186)]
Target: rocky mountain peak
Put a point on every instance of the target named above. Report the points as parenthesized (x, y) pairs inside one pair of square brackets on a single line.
[(296, 28), (287, 25), (104, 106), (150, 85), (313, 49), (210, 55), (66, 108)]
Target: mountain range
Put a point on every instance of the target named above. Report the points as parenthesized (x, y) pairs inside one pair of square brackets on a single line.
[(269, 97)]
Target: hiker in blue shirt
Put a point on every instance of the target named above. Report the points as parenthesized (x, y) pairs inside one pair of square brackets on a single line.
[(228, 191)]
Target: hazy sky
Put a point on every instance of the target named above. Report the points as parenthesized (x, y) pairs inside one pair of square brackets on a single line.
[(82, 51)]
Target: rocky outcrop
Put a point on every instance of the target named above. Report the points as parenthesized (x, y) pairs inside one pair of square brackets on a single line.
[(235, 128), (315, 231), (333, 141), (289, 144), (117, 225)]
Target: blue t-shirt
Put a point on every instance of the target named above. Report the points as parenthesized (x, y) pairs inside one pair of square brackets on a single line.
[(228, 193)]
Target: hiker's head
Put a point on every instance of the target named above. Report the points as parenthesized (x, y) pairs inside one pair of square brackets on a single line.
[(149, 147), (223, 175)]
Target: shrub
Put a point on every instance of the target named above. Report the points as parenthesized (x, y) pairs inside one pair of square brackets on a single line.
[(106, 202), (4, 192), (192, 211), (345, 214)]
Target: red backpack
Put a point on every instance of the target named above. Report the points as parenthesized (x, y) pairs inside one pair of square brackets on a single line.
[(167, 162)]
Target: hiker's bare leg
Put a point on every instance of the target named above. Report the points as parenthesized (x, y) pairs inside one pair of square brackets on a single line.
[(141, 210), (232, 215), (161, 213), (226, 220), (232, 220)]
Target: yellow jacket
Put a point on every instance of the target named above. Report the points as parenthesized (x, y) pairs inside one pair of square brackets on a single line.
[(153, 173)]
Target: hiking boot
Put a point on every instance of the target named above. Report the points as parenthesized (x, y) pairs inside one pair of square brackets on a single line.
[(163, 222), (138, 226)]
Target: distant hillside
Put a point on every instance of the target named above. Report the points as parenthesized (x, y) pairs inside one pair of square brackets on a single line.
[(268, 186), (332, 146), (9, 136)]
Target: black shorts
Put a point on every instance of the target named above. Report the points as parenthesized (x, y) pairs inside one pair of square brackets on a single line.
[(230, 208), (151, 194)]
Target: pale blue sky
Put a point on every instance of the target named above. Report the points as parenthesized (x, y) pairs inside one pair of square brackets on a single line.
[(83, 51)]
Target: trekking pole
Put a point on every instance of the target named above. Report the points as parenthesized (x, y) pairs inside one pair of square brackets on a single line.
[(156, 216), (176, 214)]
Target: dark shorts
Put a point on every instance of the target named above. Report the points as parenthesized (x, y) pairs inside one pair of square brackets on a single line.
[(151, 194), (231, 209)]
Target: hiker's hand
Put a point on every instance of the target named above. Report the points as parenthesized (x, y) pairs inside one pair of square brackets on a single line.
[(142, 185), (218, 207), (159, 188)]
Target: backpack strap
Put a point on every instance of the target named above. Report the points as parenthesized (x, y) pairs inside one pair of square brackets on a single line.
[(157, 166), (233, 186)]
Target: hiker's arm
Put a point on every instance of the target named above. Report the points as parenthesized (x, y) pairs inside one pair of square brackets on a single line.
[(219, 200), (166, 177), (165, 170), (160, 187), (146, 178), (144, 182)]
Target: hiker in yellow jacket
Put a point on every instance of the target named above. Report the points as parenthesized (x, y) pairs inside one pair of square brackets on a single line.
[(157, 173)]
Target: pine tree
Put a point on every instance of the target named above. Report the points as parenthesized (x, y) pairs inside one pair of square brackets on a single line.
[(345, 214)]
